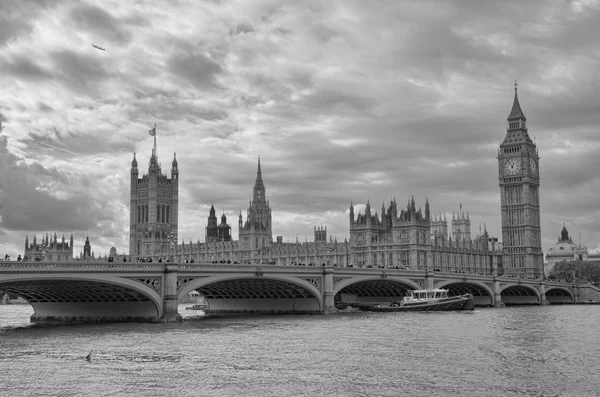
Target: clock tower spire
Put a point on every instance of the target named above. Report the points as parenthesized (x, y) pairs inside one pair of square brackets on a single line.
[(519, 180)]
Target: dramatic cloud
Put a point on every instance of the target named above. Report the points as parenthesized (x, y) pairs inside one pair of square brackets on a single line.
[(344, 101)]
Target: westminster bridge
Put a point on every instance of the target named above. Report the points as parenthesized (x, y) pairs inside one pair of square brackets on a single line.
[(150, 291)]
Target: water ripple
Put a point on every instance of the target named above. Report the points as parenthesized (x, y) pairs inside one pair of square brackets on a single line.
[(524, 351)]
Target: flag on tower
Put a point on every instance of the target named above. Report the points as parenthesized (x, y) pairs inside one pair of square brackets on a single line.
[(152, 132)]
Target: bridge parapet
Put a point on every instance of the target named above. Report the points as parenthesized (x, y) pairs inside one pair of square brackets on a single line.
[(85, 267), (227, 268)]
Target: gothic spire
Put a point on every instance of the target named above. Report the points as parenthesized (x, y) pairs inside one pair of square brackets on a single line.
[(516, 112), (259, 173), (259, 186)]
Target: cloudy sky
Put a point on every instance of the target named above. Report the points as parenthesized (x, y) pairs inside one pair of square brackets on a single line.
[(343, 100)]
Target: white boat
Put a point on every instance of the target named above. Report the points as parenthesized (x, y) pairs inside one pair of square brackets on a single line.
[(422, 300), (197, 307)]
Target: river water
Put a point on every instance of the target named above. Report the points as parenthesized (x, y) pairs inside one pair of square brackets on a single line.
[(516, 351)]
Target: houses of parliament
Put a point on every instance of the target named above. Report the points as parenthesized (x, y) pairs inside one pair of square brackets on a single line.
[(406, 237), (409, 237)]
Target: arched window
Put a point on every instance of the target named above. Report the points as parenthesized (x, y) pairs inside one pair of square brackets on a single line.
[(164, 209), (146, 212), (139, 214), (168, 212), (158, 213)]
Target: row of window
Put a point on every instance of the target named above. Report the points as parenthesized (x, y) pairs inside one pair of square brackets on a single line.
[(514, 124), (162, 213)]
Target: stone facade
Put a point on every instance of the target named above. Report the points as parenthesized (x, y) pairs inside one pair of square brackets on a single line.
[(519, 178), (217, 232), (409, 239), (255, 244), (49, 249), (154, 200), (398, 238)]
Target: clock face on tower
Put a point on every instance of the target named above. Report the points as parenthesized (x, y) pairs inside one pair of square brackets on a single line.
[(512, 166), (533, 167)]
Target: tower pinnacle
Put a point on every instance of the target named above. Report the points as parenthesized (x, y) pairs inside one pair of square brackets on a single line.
[(516, 113), (259, 186), (259, 172)]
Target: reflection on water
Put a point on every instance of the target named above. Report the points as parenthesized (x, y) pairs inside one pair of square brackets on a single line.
[(517, 351)]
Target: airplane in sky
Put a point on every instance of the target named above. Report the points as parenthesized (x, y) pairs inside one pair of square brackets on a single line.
[(98, 47)]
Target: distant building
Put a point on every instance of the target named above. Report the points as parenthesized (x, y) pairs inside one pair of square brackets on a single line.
[(49, 249), (217, 232), (87, 254), (255, 244), (413, 240), (566, 250), (399, 238)]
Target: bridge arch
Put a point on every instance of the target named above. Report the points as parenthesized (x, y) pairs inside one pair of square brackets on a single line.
[(559, 295), (374, 288), (249, 293), (482, 293), (78, 296), (519, 294)]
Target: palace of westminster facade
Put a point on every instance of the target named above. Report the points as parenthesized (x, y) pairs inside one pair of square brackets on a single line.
[(407, 237)]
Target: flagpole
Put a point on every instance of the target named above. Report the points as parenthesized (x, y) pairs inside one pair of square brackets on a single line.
[(155, 154)]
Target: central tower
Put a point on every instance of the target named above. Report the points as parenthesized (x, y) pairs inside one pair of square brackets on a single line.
[(153, 208), (518, 170), (256, 233)]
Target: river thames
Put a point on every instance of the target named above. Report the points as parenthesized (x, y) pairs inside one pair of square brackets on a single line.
[(515, 351)]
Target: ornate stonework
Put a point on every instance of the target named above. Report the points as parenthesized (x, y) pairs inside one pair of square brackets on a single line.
[(518, 168), (182, 281), (153, 208), (153, 283), (314, 281)]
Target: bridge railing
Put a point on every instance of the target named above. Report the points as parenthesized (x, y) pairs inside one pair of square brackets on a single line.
[(122, 267), (30, 267), (194, 267), (522, 272)]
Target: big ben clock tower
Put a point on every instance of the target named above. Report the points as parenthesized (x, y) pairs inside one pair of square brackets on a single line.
[(518, 170)]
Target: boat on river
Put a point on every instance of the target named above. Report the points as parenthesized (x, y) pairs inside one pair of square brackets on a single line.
[(197, 307), (424, 300)]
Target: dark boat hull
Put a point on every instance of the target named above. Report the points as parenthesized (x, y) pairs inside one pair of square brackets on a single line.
[(464, 302)]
